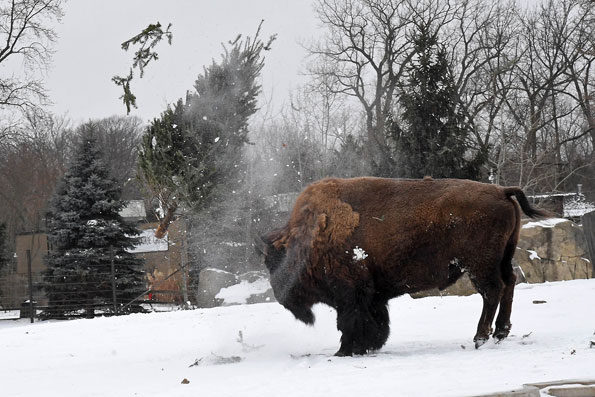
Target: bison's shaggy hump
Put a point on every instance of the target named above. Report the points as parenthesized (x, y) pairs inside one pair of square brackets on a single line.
[(355, 243)]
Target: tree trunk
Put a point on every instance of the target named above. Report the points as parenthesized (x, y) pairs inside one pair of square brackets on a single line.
[(166, 221)]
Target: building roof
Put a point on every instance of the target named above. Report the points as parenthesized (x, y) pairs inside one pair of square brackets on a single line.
[(134, 209), (574, 204), (577, 206)]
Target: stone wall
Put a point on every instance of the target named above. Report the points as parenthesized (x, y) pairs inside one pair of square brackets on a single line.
[(548, 250), (552, 251)]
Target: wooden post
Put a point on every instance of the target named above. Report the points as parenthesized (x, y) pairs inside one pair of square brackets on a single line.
[(588, 221), (31, 306), (183, 266), (113, 281)]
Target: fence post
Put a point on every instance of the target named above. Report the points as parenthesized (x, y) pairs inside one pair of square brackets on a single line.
[(588, 221), (183, 266), (30, 272), (113, 280)]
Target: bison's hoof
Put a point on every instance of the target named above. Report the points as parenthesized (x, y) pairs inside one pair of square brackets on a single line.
[(342, 353), (502, 333), (360, 352), (479, 342)]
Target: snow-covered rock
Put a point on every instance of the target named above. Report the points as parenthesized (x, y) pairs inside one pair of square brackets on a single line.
[(210, 282), (553, 250), (252, 288), (220, 288)]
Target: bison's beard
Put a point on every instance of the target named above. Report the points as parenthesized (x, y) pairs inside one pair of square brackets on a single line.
[(288, 292), (285, 267)]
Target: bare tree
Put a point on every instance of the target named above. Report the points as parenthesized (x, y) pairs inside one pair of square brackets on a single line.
[(26, 38), (366, 44), (368, 47), (29, 169), (322, 116), (480, 37), (547, 96), (119, 139), (580, 57), (525, 77)]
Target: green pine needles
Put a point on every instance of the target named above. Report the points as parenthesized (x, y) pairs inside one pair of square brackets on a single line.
[(85, 233), (194, 150), (432, 136)]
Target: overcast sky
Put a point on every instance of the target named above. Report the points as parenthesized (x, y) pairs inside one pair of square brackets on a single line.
[(88, 50)]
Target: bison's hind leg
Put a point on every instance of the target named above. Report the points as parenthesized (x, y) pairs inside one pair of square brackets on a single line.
[(363, 321), (488, 282), (509, 278)]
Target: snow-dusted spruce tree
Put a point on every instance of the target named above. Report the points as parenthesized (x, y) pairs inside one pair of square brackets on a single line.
[(431, 137), (194, 150), (84, 229)]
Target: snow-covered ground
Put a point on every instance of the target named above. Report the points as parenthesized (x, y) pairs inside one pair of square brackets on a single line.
[(260, 350)]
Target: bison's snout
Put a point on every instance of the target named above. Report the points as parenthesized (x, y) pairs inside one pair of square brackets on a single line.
[(301, 312)]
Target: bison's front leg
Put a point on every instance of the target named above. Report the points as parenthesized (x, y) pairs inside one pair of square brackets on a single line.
[(364, 323)]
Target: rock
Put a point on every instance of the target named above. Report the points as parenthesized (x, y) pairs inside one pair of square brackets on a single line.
[(262, 297), (220, 288), (552, 250), (253, 276), (462, 287), (254, 287), (210, 282)]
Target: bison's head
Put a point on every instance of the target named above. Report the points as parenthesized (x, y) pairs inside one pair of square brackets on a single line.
[(291, 292), (265, 246), (285, 280)]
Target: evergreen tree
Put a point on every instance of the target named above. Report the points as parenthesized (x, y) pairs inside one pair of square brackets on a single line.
[(347, 161), (193, 152), (433, 138), (85, 232)]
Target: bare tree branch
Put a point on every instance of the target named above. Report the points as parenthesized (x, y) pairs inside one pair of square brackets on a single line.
[(27, 35)]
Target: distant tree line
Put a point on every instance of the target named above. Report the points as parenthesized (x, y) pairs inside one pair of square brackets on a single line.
[(464, 88), (32, 164), (491, 91)]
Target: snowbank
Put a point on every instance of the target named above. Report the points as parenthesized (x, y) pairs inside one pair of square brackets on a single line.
[(547, 223), (261, 350)]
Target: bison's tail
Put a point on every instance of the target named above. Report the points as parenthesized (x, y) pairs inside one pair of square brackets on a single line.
[(524, 203)]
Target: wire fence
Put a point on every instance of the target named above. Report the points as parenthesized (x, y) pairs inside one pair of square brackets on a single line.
[(35, 295)]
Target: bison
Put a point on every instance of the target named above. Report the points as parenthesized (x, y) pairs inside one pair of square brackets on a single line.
[(353, 244)]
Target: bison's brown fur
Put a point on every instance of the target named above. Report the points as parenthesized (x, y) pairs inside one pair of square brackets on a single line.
[(417, 234)]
